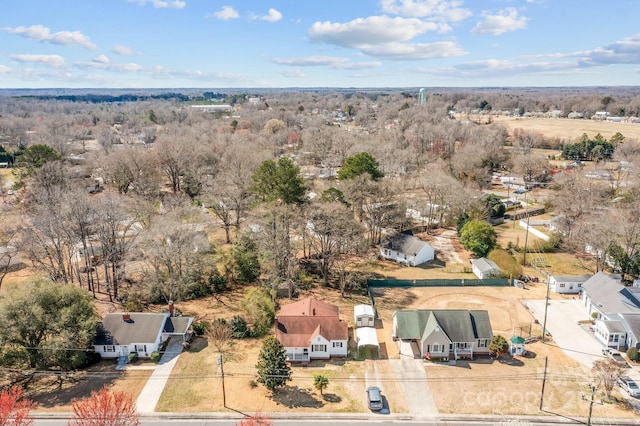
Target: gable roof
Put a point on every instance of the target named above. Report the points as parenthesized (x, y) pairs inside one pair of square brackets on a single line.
[(360, 310), (458, 324), (177, 325), (571, 278), (140, 328), (608, 294), (406, 244), (297, 331), (485, 265), (309, 307)]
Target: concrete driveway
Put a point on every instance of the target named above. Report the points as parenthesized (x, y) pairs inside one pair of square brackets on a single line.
[(562, 324)]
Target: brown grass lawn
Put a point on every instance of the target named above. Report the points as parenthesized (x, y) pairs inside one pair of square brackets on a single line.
[(506, 386), (51, 397)]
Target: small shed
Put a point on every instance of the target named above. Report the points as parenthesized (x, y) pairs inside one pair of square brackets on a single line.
[(516, 346), (484, 268), (364, 316), (368, 337)]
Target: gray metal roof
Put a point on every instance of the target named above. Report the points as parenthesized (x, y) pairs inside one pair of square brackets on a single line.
[(571, 278), (614, 326), (485, 265)]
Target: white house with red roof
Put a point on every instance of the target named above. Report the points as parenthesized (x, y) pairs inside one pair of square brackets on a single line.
[(311, 329)]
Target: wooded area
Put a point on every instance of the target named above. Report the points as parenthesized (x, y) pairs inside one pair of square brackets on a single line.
[(126, 195)]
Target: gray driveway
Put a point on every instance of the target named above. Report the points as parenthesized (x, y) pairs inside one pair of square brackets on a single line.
[(566, 333), (411, 375)]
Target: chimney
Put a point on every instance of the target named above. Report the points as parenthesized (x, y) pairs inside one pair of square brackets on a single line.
[(126, 317), (170, 308)]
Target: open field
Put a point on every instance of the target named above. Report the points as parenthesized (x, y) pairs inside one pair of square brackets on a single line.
[(568, 129)]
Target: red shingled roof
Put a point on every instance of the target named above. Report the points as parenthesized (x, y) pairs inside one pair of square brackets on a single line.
[(297, 331), (309, 307)]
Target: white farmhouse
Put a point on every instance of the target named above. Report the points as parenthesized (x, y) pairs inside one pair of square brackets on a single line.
[(407, 249)]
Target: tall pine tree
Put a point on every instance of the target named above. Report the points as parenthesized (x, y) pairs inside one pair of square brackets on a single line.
[(273, 371)]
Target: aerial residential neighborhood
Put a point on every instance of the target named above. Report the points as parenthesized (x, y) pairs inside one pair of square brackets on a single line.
[(256, 260)]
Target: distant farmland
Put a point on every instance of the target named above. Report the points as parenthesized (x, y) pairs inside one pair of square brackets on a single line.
[(569, 129)]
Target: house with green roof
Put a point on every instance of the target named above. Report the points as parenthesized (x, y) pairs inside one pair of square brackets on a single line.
[(446, 333)]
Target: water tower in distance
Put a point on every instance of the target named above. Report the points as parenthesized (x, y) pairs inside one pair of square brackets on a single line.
[(422, 97)]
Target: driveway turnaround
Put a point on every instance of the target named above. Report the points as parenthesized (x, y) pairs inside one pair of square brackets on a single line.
[(566, 333), (417, 394)]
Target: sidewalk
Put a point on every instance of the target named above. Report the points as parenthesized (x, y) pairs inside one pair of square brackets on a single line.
[(150, 395)]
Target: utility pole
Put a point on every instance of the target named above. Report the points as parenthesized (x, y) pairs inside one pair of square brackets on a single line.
[(546, 306), (224, 394), (544, 381), (591, 401)]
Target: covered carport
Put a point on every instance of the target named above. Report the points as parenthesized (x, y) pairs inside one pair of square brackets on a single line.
[(367, 337)]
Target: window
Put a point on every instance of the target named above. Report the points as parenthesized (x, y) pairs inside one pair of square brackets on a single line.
[(482, 343), (436, 347), (337, 344), (561, 285), (450, 347), (318, 348), (109, 348), (579, 285)]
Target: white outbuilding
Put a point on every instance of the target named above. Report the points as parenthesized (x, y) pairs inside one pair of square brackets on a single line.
[(364, 316)]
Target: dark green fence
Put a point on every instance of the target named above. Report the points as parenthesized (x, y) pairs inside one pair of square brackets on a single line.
[(494, 282)]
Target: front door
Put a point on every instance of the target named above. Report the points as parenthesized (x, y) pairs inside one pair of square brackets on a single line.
[(142, 350)]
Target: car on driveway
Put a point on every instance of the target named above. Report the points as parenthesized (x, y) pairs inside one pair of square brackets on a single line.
[(629, 385), (374, 396), (615, 355)]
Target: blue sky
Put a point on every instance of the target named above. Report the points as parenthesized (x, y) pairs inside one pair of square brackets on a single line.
[(311, 43)]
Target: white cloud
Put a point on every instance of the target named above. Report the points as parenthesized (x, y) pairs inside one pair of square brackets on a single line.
[(414, 51), (101, 59), (505, 20), (626, 51), (42, 33), (272, 16), (4, 69), (162, 4), (54, 61), (369, 31), (296, 73), (433, 9), (329, 61), (108, 66), (119, 49), (226, 13)]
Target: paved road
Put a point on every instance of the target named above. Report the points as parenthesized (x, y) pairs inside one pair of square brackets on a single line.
[(355, 420)]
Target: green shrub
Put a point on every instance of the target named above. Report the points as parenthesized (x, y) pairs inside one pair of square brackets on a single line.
[(239, 327), (506, 262), (633, 354), (133, 356), (199, 328), (156, 356), (253, 384)]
